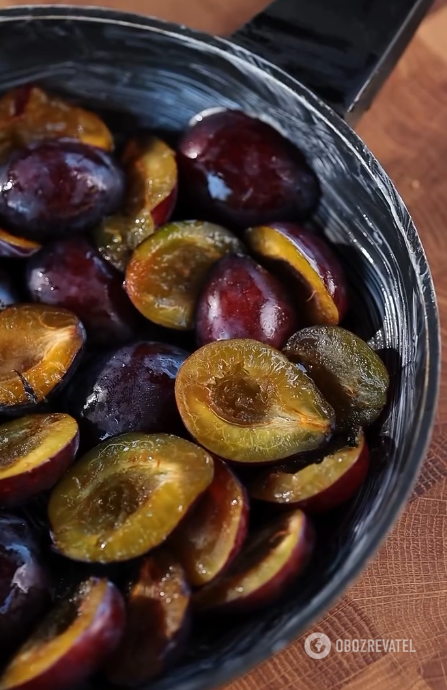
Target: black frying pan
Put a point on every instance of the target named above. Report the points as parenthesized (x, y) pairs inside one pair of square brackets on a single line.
[(160, 75)]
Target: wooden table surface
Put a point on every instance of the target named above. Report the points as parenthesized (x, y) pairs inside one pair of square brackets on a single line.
[(403, 592)]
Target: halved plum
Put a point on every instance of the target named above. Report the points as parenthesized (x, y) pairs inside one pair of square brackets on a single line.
[(29, 114), (319, 486), (318, 276), (130, 389), (167, 271), (126, 496), (35, 451), (238, 170), (211, 536), (118, 236), (35, 204), (12, 247), (151, 169), (71, 274), (270, 561), (39, 348), (242, 300), (157, 622), (246, 402), (24, 582), (351, 376), (74, 640)]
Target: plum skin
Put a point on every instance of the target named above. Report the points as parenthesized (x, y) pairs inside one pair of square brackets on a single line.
[(240, 171), (242, 300), (33, 201), (129, 389), (24, 582), (72, 274)]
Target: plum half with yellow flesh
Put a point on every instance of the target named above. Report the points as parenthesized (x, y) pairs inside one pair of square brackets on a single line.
[(246, 402), (351, 376), (319, 486), (271, 560), (35, 451), (212, 534), (73, 641), (157, 622), (39, 349), (318, 278), (126, 496), (167, 271), (29, 114), (12, 247)]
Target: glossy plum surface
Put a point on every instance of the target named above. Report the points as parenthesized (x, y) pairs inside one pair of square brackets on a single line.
[(317, 486), (129, 389), (35, 452), (8, 292), (168, 270), (242, 300), (271, 560), (74, 640), (246, 402), (238, 170), (40, 348), (320, 288), (351, 376), (126, 496), (29, 114), (24, 582), (72, 274), (157, 622), (211, 536), (36, 204)]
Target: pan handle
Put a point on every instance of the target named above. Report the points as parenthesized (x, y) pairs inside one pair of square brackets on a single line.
[(343, 50)]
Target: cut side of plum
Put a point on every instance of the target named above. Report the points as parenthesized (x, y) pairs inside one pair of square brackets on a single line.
[(73, 641), (157, 622), (319, 486), (129, 389), (24, 582), (211, 536), (246, 402), (351, 376), (270, 561), (12, 247), (321, 290), (34, 203), (39, 349), (151, 169), (168, 270), (238, 170), (126, 496), (71, 274), (28, 114), (118, 236), (35, 451), (242, 300)]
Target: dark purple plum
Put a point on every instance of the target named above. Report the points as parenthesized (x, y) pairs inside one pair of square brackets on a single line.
[(55, 187), (72, 274), (8, 292), (130, 389), (243, 300), (24, 592), (238, 170)]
